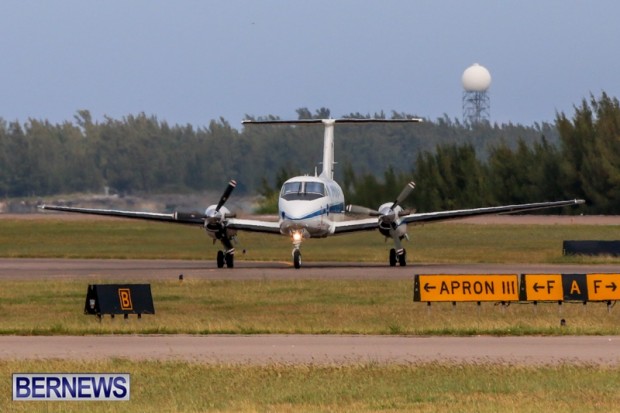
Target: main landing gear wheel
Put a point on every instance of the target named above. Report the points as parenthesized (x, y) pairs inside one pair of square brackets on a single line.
[(230, 260), (297, 259), (223, 258), (220, 259), (392, 257), (402, 259)]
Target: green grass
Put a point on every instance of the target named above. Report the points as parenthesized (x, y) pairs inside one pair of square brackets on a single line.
[(434, 387), (432, 243), (288, 306)]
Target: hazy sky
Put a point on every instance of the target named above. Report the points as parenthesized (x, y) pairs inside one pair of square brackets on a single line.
[(194, 61)]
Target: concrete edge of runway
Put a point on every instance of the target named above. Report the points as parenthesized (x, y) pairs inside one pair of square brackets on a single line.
[(319, 349)]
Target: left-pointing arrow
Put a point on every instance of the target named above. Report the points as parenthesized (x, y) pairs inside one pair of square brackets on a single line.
[(428, 287)]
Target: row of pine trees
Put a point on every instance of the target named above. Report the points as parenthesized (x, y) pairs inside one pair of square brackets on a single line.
[(454, 165)]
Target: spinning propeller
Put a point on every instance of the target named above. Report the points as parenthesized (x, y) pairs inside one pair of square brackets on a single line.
[(212, 216), (388, 221), (386, 214), (214, 221)]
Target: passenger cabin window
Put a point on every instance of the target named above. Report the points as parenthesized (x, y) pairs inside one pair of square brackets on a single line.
[(302, 191)]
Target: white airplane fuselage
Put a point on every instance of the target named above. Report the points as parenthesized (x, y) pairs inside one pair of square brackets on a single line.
[(309, 206)]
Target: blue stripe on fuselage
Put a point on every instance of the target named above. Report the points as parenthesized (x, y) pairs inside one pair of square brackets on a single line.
[(339, 208)]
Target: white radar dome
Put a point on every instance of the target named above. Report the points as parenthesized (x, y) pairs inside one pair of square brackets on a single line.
[(476, 78)]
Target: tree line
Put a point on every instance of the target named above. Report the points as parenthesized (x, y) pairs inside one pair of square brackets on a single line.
[(454, 165), (584, 163)]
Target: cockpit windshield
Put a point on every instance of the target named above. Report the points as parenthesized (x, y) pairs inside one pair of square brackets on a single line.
[(302, 190)]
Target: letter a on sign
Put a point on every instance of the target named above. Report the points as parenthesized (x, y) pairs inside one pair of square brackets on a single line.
[(575, 287)]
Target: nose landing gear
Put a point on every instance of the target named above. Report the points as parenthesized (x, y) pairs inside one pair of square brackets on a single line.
[(227, 258), (297, 259), (399, 256), (297, 237)]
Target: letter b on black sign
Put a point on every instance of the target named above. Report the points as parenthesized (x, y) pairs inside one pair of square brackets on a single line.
[(119, 299)]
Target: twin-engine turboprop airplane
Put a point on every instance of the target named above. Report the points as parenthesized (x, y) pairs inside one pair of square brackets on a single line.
[(314, 207)]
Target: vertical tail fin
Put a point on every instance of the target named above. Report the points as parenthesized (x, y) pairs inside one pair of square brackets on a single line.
[(328, 149)]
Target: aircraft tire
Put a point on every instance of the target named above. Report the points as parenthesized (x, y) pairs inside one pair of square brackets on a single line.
[(392, 257), (297, 259), (220, 259), (402, 259), (230, 260)]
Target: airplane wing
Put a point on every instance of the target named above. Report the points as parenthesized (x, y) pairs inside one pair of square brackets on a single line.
[(504, 209), (250, 225), (367, 224), (185, 218), (253, 225), (353, 225)]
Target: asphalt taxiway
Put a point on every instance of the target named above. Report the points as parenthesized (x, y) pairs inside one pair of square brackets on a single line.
[(153, 270), (320, 349)]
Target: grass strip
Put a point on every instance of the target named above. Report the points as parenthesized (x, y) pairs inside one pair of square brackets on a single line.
[(197, 306), (434, 387), (434, 243)]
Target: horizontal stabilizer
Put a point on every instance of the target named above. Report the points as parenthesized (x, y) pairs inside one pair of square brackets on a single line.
[(328, 121)]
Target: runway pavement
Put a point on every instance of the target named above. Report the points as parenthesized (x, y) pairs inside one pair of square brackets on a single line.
[(145, 270), (320, 349)]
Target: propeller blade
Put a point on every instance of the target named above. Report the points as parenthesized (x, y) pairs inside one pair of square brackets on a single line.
[(404, 194), (231, 185), (356, 209)]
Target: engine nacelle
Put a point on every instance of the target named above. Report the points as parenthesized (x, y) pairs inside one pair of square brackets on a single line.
[(215, 222), (212, 214), (390, 223)]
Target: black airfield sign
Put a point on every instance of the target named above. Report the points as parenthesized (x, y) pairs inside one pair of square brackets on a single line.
[(119, 299), (575, 287)]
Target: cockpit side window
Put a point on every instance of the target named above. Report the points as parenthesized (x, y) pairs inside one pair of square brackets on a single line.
[(315, 188), (291, 188)]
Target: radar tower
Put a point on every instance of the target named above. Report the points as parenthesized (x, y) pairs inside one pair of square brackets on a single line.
[(476, 80)]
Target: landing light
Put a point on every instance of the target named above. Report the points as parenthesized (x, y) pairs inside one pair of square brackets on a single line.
[(296, 236)]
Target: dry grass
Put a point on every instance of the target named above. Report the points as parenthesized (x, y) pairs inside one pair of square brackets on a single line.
[(191, 387), (433, 243), (288, 306)]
